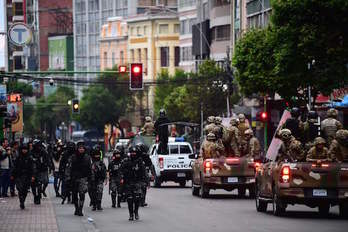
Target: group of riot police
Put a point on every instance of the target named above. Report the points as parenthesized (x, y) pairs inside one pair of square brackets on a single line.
[(236, 140), (313, 141), (78, 170)]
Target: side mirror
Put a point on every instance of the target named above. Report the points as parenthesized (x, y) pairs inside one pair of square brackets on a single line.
[(193, 156)]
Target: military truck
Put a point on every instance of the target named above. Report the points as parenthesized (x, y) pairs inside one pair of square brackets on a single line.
[(315, 184), (226, 173)]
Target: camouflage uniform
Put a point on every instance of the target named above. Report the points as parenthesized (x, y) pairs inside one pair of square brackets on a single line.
[(330, 126), (149, 126), (311, 130), (233, 137), (115, 178), (253, 144), (210, 148), (80, 171), (210, 126), (318, 152), (242, 127), (96, 181), (339, 147), (291, 148), (219, 128)]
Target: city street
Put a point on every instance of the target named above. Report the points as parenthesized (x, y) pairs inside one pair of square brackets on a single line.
[(174, 209)]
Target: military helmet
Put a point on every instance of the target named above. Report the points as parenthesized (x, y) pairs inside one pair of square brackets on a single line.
[(211, 137), (218, 120), (285, 134), (211, 119), (312, 114), (97, 147), (241, 117), (331, 113), (342, 135), (295, 112), (116, 151), (24, 146), (36, 142), (162, 112), (148, 119), (234, 121), (249, 132), (80, 143), (319, 140)]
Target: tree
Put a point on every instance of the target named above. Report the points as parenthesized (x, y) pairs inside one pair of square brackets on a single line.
[(300, 33), (105, 104), (51, 111), (20, 87)]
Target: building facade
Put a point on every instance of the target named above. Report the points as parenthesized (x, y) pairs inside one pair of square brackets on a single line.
[(187, 10), (113, 43), (153, 39), (258, 13)]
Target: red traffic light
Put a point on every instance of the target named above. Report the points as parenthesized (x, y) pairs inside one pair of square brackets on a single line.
[(122, 69), (136, 77), (264, 116)]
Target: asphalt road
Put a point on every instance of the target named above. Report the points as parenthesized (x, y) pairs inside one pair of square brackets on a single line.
[(174, 209)]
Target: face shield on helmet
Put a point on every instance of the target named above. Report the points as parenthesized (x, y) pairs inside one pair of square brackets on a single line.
[(285, 134)]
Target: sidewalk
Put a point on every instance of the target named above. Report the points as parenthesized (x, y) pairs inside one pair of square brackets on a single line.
[(34, 218)]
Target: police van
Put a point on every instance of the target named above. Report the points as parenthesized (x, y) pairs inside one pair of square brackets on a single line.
[(175, 165)]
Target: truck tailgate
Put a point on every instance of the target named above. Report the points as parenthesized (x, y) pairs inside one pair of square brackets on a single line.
[(328, 175), (228, 166)]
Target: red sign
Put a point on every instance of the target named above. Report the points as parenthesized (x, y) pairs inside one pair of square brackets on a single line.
[(122, 69), (14, 97)]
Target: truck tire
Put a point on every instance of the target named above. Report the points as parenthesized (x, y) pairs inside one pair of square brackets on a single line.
[(195, 190), (241, 192), (261, 206), (203, 190), (157, 182), (344, 210), (324, 210), (278, 206), (182, 183)]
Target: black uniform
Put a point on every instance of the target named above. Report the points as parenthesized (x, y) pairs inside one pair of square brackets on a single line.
[(96, 181), (42, 162), (23, 172), (80, 171), (115, 185), (162, 132), (134, 175), (64, 171), (148, 164)]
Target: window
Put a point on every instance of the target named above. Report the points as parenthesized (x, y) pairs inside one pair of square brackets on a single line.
[(132, 31), (139, 55), (173, 149), (185, 149), (18, 8), (113, 59), (145, 30), (177, 56), (176, 28), (221, 33), (186, 54), (121, 57), (163, 28), (132, 55), (164, 56), (138, 31), (205, 11), (105, 59)]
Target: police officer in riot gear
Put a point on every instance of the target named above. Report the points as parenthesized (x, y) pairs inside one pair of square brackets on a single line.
[(148, 164), (23, 173), (96, 180), (162, 131), (133, 176), (42, 162), (80, 171), (115, 178), (64, 171)]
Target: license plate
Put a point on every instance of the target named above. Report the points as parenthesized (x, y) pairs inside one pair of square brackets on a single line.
[(232, 179), (319, 192), (181, 175)]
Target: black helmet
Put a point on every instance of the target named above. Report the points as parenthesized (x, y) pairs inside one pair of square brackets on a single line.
[(142, 148), (162, 113), (295, 112), (116, 151), (71, 145), (312, 114), (36, 142), (133, 152), (81, 143), (24, 147)]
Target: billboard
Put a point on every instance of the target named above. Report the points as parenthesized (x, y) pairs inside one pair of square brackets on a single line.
[(61, 52), (15, 112)]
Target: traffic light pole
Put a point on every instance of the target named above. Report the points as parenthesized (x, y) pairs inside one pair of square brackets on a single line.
[(265, 127)]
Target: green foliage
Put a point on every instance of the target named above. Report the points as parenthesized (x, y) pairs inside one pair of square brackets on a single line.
[(52, 110), (184, 93), (20, 87), (105, 104), (276, 59)]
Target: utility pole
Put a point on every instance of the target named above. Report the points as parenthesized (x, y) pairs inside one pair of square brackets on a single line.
[(229, 74)]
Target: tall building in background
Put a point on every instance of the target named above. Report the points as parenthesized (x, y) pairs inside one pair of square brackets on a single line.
[(258, 13), (187, 10)]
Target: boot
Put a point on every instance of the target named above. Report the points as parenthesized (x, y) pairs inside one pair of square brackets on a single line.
[(113, 199), (99, 206), (119, 202), (80, 207), (76, 209), (136, 210), (130, 209), (94, 207), (21, 205)]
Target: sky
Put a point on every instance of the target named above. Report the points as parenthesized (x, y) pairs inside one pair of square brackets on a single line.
[(2, 37)]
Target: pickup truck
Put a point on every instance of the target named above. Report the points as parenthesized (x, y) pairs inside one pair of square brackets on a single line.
[(226, 173), (315, 184)]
